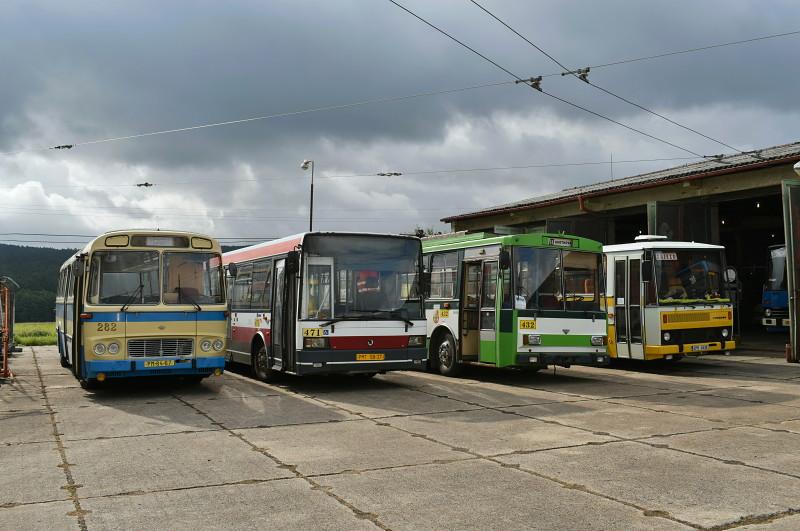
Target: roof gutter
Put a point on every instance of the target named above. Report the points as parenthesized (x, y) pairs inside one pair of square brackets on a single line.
[(609, 191)]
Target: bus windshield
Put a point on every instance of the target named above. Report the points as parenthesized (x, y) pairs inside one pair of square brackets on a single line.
[(688, 275), (361, 276), (119, 277), (192, 278), (552, 279), (776, 279)]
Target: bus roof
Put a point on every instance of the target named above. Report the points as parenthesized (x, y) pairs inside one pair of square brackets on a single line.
[(100, 240), (461, 240), (288, 243), (658, 244)]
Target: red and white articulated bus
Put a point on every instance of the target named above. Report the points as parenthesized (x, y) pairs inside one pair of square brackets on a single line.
[(325, 302)]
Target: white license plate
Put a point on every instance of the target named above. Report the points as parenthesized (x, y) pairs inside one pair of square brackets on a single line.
[(696, 348)]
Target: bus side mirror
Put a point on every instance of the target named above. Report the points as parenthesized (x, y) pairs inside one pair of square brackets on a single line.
[(232, 268), (77, 268), (730, 275), (647, 270), (293, 262), (505, 260)]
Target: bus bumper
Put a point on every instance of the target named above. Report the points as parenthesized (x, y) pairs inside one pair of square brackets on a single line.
[(775, 321), (131, 368), (344, 361), (654, 352), (543, 359)]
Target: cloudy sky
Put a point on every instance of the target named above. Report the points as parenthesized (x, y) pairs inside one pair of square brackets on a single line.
[(82, 71)]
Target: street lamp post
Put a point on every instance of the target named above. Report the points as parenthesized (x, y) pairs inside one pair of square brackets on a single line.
[(305, 165)]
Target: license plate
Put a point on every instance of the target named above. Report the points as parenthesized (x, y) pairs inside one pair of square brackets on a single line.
[(696, 348), (370, 357), (527, 324), (159, 363)]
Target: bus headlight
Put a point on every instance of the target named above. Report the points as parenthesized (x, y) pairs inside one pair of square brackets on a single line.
[(99, 349), (725, 332), (205, 345), (768, 312), (416, 341), (598, 341), (113, 348), (532, 339), (666, 336), (315, 342), (218, 344)]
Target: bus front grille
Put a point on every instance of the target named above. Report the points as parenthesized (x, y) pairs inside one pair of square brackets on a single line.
[(142, 348)]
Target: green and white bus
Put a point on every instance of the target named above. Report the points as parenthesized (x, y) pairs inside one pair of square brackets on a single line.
[(525, 300)]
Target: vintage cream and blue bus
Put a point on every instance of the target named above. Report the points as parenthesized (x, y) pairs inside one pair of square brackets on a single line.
[(142, 303), (327, 302), (525, 300), (667, 299)]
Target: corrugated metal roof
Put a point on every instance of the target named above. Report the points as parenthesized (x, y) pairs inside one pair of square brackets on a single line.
[(755, 158)]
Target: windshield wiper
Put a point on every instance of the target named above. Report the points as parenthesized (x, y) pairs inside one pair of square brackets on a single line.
[(349, 317), (396, 314), (181, 295), (193, 302), (133, 296)]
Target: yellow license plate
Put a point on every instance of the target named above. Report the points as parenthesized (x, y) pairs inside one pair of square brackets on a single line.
[(159, 363), (527, 324), (370, 357)]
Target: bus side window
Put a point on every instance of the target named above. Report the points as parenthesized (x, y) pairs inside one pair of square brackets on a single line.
[(443, 275), (241, 287), (262, 285)]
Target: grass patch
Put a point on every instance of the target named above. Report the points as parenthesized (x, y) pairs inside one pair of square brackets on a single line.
[(35, 334)]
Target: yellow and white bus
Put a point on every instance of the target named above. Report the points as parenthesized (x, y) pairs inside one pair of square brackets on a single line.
[(666, 299), (142, 303)]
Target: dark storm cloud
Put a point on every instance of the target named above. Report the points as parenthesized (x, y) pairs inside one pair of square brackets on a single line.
[(90, 70)]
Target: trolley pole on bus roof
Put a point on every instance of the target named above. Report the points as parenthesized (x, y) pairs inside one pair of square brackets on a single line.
[(305, 165)]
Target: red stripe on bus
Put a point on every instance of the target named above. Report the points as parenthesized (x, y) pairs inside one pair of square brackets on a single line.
[(261, 252), (362, 342), (245, 334)]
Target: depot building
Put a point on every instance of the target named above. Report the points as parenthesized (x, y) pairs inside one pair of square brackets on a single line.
[(735, 201)]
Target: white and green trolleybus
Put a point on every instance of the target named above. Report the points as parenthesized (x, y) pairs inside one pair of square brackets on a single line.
[(524, 300)]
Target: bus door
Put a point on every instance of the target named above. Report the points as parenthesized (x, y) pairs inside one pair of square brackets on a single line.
[(470, 311), (283, 313), (628, 306), (69, 317), (488, 333), (278, 324)]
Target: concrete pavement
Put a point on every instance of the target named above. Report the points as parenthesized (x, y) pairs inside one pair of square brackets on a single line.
[(705, 443)]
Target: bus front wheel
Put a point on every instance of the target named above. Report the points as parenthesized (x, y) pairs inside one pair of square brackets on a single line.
[(90, 383), (261, 368), (446, 356)]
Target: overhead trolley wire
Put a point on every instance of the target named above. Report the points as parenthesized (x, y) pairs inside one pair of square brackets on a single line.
[(525, 81), (400, 98), (585, 79), (338, 107), (377, 174)]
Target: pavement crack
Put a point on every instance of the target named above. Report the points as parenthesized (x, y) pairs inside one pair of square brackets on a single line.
[(358, 513), (71, 487)]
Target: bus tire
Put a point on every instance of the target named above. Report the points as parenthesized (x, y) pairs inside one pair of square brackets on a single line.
[(446, 358), (89, 384), (64, 362), (260, 365)]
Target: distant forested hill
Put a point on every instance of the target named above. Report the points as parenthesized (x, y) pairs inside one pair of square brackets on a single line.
[(36, 271)]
